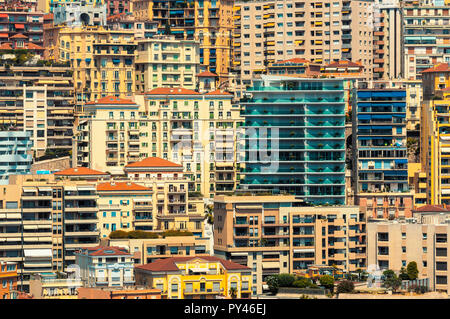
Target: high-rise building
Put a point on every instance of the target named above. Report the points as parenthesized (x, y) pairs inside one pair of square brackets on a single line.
[(39, 99), (43, 221), (322, 32), (301, 123), (381, 160), (79, 13), (435, 133), (388, 41), (207, 21), (274, 235), (102, 59), (166, 62), (425, 37)]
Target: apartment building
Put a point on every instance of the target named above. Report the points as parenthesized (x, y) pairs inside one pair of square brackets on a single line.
[(275, 234), (104, 266), (301, 122), (50, 5), (322, 32), (103, 60), (392, 245), (425, 37), (124, 206), (381, 161), (79, 13), (108, 134), (8, 280), (294, 67), (118, 6), (50, 286), (205, 277), (148, 250), (166, 62), (22, 19), (198, 130), (42, 221), (173, 206), (207, 21), (434, 134), (127, 21), (15, 158), (388, 60), (39, 100)]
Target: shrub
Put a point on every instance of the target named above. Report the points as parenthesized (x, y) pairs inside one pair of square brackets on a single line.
[(169, 233), (345, 286), (327, 281), (302, 283), (272, 282), (118, 234), (285, 280)]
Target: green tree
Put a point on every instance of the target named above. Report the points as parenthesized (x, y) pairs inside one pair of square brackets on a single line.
[(412, 270), (345, 286), (272, 282), (302, 282), (285, 280), (391, 281), (403, 274), (327, 281)]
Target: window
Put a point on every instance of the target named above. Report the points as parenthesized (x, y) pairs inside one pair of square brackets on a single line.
[(174, 288)]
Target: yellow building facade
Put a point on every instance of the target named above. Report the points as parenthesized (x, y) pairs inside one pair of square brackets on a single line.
[(49, 5), (435, 133), (205, 277), (103, 60)]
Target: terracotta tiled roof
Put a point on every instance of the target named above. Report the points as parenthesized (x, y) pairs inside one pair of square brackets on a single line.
[(294, 60), (5, 46), (111, 100), (343, 64), (154, 162), (218, 92), (172, 91), (107, 251), (80, 171), (431, 208), (206, 74), (441, 67), (48, 16), (169, 264), (32, 46), (123, 186), (19, 36)]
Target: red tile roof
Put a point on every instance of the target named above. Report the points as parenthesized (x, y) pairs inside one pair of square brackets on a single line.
[(5, 46), (206, 74), (218, 92), (19, 36), (294, 60), (48, 16), (32, 46), (123, 186), (441, 67), (80, 171), (105, 251), (111, 100), (169, 264), (343, 64), (172, 91), (432, 208), (154, 162)]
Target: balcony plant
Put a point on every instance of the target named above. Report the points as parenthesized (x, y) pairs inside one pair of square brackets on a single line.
[(292, 111), (319, 145)]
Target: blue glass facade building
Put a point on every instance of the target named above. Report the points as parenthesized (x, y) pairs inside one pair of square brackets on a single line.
[(301, 123)]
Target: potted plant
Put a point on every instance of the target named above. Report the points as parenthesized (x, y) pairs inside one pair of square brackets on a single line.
[(292, 111), (292, 133), (292, 98), (320, 145), (320, 98)]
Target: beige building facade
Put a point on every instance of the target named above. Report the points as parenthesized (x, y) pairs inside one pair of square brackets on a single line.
[(274, 234)]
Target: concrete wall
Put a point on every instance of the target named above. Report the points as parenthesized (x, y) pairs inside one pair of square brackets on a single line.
[(51, 164)]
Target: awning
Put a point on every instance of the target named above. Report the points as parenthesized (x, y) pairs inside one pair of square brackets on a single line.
[(382, 116), (3, 15), (396, 173), (19, 26), (144, 200), (38, 252), (382, 127), (13, 239), (239, 254), (31, 239), (271, 264), (45, 189), (86, 188), (30, 227), (401, 161), (29, 189), (14, 216), (304, 250), (4, 35), (364, 117), (199, 269), (70, 188)]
